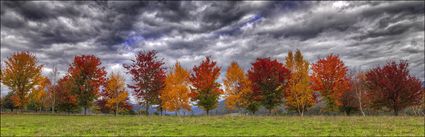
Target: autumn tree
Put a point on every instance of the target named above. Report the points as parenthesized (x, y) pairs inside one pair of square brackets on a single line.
[(39, 94), (269, 79), (176, 93), (51, 92), (7, 102), (393, 87), (114, 92), (206, 90), (148, 76), (66, 100), (21, 74), (86, 76), (358, 86), (349, 102), (299, 95), (103, 107), (238, 90), (330, 78)]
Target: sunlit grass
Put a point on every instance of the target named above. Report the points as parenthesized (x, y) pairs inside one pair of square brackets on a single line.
[(41, 125)]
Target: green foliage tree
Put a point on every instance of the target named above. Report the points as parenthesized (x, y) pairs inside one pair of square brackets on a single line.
[(7, 102)]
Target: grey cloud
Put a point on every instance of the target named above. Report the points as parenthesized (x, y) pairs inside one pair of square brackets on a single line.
[(363, 33)]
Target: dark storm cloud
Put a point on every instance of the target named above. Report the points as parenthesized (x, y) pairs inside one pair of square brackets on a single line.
[(364, 34)]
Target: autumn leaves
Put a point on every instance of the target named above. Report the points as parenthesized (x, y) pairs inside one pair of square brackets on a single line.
[(148, 76), (268, 83), (299, 95), (21, 75)]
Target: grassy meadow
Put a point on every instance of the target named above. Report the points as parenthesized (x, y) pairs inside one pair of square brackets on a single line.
[(42, 125)]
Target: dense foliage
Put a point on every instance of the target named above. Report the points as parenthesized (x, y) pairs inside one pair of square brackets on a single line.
[(393, 87), (206, 90), (85, 77), (269, 80), (148, 76), (330, 78), (267, 83)]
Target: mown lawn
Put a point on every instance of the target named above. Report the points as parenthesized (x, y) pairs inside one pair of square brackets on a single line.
[(42, 125)]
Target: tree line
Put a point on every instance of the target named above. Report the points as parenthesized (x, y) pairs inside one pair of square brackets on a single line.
[(295, 84)]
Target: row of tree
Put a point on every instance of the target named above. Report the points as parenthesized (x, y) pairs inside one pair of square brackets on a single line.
[(267, 83)]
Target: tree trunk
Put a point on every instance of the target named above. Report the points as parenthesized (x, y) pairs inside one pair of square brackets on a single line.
[(359, 96), (147, 109), (22, 109), (302, 113), (85, 111), (53, 105), (348, 111), (361, 110), (116, 109), (208, 112), (270, 112), (395, 111)]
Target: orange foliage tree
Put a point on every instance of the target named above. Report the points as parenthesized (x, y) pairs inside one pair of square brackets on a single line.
[(205, 88), (330, 78), (21, 75), (299, 95), (38, 96), (176, 93), (114, 93), (237, 89), (86, 76)]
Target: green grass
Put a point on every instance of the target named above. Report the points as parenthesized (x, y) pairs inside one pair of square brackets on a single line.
[(42, 125)]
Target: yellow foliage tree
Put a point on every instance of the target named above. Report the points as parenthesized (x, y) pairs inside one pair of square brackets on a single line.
[(114, 92), (176, 93), (38, 95), (299, 95), (238, 88), (21, 74)]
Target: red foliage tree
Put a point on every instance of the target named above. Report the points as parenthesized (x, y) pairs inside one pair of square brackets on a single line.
[(269, 79), (330, 78), (349, 101), (148, 75), (391, 86), (86, 76), (66, 100), (206, 90)]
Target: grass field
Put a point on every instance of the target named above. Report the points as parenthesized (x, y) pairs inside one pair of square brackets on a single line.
[(41, 125)]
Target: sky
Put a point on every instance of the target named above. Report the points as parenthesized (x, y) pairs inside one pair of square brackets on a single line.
[(364, 34)]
